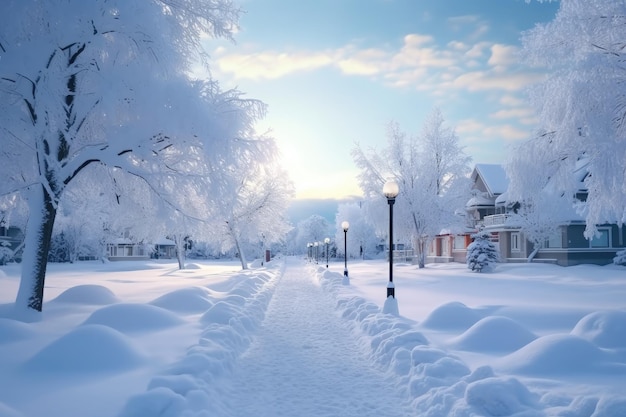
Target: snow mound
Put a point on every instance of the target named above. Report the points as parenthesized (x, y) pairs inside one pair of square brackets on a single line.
[(451, 316), (87, 349), (185, 300), (12, 331), (494, 334), (500, 397), (606, 329), (557, 354), (256, 264), (134, 317), (193, 266), (221, 312), (87, 294)]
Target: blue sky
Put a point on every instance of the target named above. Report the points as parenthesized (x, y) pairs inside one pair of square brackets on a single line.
[(335, 72)]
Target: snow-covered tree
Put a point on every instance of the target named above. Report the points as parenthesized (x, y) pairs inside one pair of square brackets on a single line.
[(253, 205), (482, 254), (581, 106), (432, 172), (313, 229), (102, 82), (362, 239), (542, 209)]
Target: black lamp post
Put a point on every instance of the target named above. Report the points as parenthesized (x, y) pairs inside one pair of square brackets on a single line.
[(316, 246), (262, 248), (327, 241), (345, 226), (391, 190)]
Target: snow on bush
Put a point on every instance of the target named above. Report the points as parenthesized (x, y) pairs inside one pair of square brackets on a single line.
[(620, 258), (6, 254), (482, 255)]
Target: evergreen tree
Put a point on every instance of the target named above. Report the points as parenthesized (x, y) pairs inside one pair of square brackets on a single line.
[(482, 255)]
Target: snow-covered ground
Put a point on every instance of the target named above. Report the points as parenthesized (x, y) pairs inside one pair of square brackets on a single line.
[(145, 339)]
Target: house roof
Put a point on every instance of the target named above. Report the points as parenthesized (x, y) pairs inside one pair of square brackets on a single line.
[(493, 176), (165, 242), (479, 201)]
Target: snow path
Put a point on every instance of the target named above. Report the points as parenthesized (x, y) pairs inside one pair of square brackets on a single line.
[(304, 359)]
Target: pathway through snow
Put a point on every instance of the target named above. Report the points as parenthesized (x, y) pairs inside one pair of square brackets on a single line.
[(304, 360)]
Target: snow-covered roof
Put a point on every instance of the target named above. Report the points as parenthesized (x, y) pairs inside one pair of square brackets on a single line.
[(122, 241), (479, 201), (164, 242), (493, 176), (501, 200)]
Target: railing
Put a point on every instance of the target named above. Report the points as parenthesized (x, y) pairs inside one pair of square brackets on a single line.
[(495, 220)]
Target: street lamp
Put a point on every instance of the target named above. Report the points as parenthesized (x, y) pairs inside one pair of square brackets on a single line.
[(327, 241), (391, 190), (308, 251), (345, 226), (316, 246)]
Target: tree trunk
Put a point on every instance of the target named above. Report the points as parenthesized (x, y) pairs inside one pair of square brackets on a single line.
[(242, 257), (533, 254), (36, 246), (180, 251), (419, 252)]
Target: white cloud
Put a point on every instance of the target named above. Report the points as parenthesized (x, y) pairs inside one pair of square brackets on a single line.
[(486, 80), (419, 63), (515, 113), (477, 131), (364, 62), (503, 56), (271, 65), (509, 100)]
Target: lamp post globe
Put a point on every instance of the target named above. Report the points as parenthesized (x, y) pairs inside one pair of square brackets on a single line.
[(345, 226), (327, 242), (391, 191)]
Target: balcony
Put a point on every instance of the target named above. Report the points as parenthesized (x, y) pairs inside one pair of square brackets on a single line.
[(495, 220)]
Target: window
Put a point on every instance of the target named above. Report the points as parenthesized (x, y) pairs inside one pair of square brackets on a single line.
[(554, 241), (459, 242), (601, 239), (515, 244)]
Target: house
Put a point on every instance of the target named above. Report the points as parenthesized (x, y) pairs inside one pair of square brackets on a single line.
[(489, 210), (164, 249), (489, 182), (124, 249)]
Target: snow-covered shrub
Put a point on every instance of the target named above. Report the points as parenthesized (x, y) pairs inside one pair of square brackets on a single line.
[(620, 258), (6, 254), (482, 255)]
